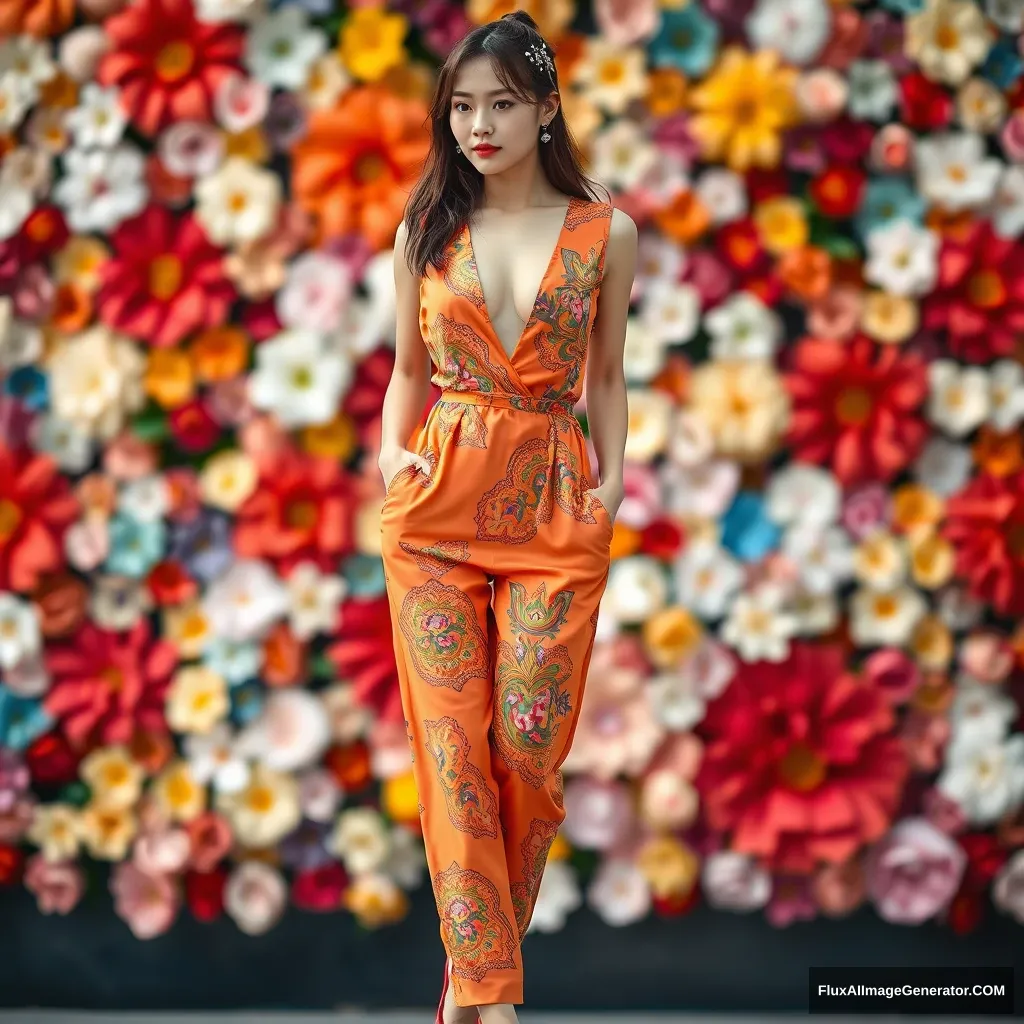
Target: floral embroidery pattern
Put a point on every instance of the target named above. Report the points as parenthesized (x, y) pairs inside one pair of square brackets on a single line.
[(437, 558), (472, 806), (534, 849), (475, 930), (463, 358), (445, 640)]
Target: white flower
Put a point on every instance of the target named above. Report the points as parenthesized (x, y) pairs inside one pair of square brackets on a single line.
[(246, 601), (239, 202), (885, 618), (680, 697), (319, 794), (872, 90), (1006, 211), (880, 560), (902, 258), (743, 327), (99, 119), (146, 499), (16, 97), (291, 732), (815, 614), (610, 76), (1007, 14), (29, 168), (735, 881), (240, 103), (705, 490), (315, 293), (19, 630), (636, 589), (659, 259), (943, 466), (651, 414), (706, 579), (191, 149), (980, 717), (723, 193), (16, 203), (948, 39), (958, 398), (1008, 887), (558, 896), (297, 379), (314, 600), (671, 312), (217, 11), (406, 858), (21, 342), (758, 627), (328, 80), (102, 187), (361, 839), (255, 896), (69, 445), (96, 381), (212, 758), (265, 810), (281, 47), (619, 893), (823, 556), (622, 154), (987, 782), (803, 494), (1006, 395), (369, 321), (796, 29), (954, 171)]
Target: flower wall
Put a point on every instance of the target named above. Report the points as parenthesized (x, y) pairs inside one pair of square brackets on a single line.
[(806, 689)]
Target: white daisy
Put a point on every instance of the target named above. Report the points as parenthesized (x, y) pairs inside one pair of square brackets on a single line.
[(823, 556), (815, 614), (281, 48), (948, 39), (671, 312), (69, 446), (29, 59), (885, 618), (958, 397), (19, 631), (743, 327), (1006, 394), (16, 98), (99, 119), (658, 259), (880, 561), (101, 188), (213, 759), (902, 258), (16, 203), (758, 626), (801, 493), (622, 154), (707, 578), (239, 202), (246, 601), (723, 193), (636, 589), (987, 782), (796, 29), (314, 598), (954, 170)]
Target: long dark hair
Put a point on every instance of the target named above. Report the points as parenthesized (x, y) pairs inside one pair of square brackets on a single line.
[(450, 187)]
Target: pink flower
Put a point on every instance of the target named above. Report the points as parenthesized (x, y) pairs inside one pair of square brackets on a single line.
[(87, 543), (598, 815), (894, 674), (913, 871), (56, 887), (240, 102), (1008, 888), (791, 901), (1012, 137), (147, 903), (625, 22), (943, 812), (128, 457), (211, 840), (735, 881), (191, 149), (865, 510), (836, 315), (710, 276), (987, 657), (838, 889), (892, 149), (162, 851)]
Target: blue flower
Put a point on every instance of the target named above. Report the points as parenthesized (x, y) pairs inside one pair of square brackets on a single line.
[(904, 6), (235, 662), (1003, 65), (247, 701), (886, 200), (687, 40), (203, 545), (134, 547), (746, 529), (22, 720), (30, 386), (364, 575)]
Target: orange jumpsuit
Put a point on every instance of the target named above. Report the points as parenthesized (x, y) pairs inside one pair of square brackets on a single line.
[(491, 684)]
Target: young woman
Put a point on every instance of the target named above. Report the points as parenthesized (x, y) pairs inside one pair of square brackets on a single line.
[(494, 538)]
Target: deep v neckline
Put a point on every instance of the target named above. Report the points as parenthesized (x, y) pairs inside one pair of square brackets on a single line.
[(471, 252)]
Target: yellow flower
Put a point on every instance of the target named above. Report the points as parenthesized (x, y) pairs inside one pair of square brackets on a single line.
[(250, 145), (177, 793), (197, 699), (666, 91), (669, 865), (107, 832), (560, 848), (889, 319), (743, 107), (371, 42), (228, 479), (114, 778), (54, 830), (782, 224), (401, 798), (670, 634), (333, 440), (80, 262), (187, 627), (552, 16), (932, 644), (916, 510), (932, 561), (376, 900), (169, 378), (880, 560)]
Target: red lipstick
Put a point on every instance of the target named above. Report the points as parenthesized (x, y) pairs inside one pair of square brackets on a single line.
[(485, 149)]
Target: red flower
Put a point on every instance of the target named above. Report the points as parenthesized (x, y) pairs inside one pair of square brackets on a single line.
[(36, 507), (979, 297), (165, 279), (192, 426), (106, 684), (52, 761), (985, 523), (167, 64), (847, 141), (800, 763), (854, 407), (924, 105), (837, 191), (739, 245), (204, 893), (320, 889), (301, 511), (12, 864), (44, 232)]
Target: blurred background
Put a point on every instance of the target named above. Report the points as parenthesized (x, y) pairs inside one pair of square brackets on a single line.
[(801, 738)]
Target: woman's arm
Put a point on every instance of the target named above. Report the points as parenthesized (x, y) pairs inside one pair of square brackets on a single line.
[(410, 379), (607, 412)]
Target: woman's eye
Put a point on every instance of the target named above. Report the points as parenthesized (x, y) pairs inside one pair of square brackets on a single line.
[(508, 103)]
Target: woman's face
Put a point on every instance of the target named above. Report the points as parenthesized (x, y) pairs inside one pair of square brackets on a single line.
[(483, 111)]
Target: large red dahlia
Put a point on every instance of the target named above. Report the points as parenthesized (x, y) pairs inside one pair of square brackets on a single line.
[(800, 765), (167, 63), (985, 523), (36, 507), (165, 280), (979, 297), (108, 684), (855, 407)]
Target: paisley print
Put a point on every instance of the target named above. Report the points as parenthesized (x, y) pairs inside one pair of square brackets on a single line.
[(439, 557), (534, 852), (472, 806)]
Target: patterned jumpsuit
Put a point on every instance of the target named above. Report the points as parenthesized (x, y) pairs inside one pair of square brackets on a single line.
[(491, 685)]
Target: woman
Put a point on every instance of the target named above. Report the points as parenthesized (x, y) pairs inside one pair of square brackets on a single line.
[(495, 541)]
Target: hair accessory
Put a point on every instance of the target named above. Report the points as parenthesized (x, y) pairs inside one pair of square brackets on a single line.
[(538, 56)]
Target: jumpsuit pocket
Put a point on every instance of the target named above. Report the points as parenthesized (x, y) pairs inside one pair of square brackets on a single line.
[(607, 515), (390, 489)]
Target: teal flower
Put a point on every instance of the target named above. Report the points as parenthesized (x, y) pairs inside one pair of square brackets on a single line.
[(687, 40), (135, 547), (887, 200), (22, 720)]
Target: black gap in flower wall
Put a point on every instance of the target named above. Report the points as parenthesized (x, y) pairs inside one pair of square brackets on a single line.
[(706, 961)]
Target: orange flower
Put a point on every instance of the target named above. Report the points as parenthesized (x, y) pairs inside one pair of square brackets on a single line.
[(335, 440), (169, 377), (552, 16), (72, 308), (806, 271), (60, 91), (685, 219), (40, 18), (666, 92), (350, 766), (353, 168), (998, 454), (284, 657), (220, 353)]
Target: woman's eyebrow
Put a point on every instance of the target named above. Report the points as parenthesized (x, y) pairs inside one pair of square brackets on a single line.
[(493, 92)]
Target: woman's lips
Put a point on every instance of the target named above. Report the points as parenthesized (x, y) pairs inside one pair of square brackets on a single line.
[(485, 150)]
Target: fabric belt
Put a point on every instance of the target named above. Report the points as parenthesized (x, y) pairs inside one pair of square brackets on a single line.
[(521, 403)]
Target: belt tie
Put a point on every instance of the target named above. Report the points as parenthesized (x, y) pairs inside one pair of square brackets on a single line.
[(521, 403)]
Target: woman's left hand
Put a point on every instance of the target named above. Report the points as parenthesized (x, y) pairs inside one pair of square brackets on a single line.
[(610, 494)]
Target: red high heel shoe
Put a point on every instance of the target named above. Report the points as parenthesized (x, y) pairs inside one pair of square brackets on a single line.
[(444, 991)]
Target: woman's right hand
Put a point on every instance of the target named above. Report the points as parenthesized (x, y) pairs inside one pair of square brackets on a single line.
[(394, 460)]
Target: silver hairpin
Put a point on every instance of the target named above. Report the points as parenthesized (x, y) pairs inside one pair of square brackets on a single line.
[(539, 56)]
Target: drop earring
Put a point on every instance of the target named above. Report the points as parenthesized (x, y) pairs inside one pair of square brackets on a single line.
[(546, 137), (458, 149)]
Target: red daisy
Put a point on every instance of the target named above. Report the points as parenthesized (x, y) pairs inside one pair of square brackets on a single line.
[(985, 523), (978, 301), (800, 764), (36, 507), (107, 684), (855, 407), (301, 510), (167, 64), (165, 279)]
